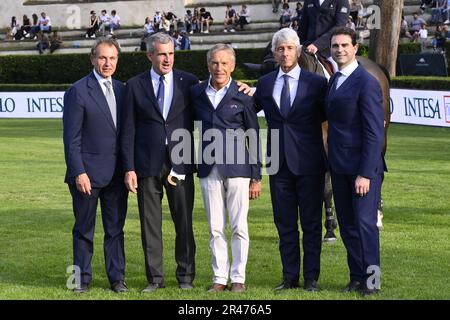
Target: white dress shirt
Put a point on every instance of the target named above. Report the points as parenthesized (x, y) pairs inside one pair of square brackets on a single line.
[(215, 96), (168, 89), (346, 72), (101, 81), (294, 75)]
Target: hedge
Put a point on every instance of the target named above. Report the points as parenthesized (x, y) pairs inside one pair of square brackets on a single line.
[(68, 68), (424, 83)]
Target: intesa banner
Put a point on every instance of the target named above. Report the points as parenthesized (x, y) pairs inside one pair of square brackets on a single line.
[(31, 104), (430, 108)]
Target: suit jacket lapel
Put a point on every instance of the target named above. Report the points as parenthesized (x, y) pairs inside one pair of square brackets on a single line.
[(302, 87), (231, 92), (203, 94), (97, 95), (268, 89), (118, 94), (177, 96), (147, 88)]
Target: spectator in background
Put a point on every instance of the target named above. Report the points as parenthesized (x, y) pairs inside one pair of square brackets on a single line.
[(424, 3), (415, 26), (423, 36), (230, 18), (173, 20), (447, 10), (176, 40), (446, 32), (45, 23), (185, 43), (157, 20), (404, 32), (34, 27), (115, 21), (206, 20), (14, 26), (286, 14), (55, 41), (362, 13), (164, 25), (298, 12), (244, 17), (436, 11), (295, 25), (440, 37), (43, 42), (93, 25), (148, 27), (354, 10), (350, 23), (188, 17), (104, 21), (196, 20), (26, 25)]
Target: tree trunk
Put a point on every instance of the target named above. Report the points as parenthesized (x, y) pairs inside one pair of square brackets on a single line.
[(384, 37)]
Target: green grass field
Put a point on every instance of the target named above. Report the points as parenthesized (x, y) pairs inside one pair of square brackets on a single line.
[(36, 221)]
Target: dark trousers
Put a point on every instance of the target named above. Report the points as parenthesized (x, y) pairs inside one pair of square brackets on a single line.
[(293, 197), (181, 203), (113, 201), (357, 217)]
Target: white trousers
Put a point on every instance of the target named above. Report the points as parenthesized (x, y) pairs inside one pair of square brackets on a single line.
[(221, 194)]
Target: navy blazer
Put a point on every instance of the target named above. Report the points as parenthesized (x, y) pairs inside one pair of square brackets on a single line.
[(318, 22), (144, 134), (300, 134), (235, 111), (355, 126), (91, 143)]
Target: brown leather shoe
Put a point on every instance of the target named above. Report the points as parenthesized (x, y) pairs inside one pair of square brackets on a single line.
[(237, 287), (217, 287)]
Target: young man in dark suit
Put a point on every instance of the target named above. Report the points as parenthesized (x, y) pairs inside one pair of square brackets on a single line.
[(292, 100), (92, 125), (354, 109), (157, 104)]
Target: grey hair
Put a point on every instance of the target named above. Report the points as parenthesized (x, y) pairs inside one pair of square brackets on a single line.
[(108, 41), (159, 37), (220, 47), (285, 35)]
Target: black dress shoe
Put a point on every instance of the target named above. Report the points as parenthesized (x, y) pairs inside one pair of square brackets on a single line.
[(186, 286), (352, 286), (367, 292), (153, 287), (286, 285), (119, 287), (83, 288), (311, 285)]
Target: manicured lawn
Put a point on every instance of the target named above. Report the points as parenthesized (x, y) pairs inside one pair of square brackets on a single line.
[(36, 221)]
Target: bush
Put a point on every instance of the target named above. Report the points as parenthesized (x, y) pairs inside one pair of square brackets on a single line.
[(68, 68)]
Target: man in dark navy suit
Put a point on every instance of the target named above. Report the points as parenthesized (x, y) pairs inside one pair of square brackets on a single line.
[(292, 100), (355, 138), (91, 121), (229, 169), (157, 104), (320, 18)]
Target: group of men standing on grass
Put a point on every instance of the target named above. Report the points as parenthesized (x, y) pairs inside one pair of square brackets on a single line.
[(139, 138)]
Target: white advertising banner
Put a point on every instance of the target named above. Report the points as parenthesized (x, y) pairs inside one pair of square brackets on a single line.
[(31, 104), (430, 108)]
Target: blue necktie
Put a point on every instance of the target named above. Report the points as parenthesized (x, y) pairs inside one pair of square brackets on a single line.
[(337, 75), (160, 96), (285, 99)]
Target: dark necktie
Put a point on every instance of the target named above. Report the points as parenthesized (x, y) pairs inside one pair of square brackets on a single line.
[(111, 101), (337, 75), (160, 96), (285, 99)]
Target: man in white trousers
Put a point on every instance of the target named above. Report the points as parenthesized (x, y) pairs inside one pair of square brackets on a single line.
[(229, 171)]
